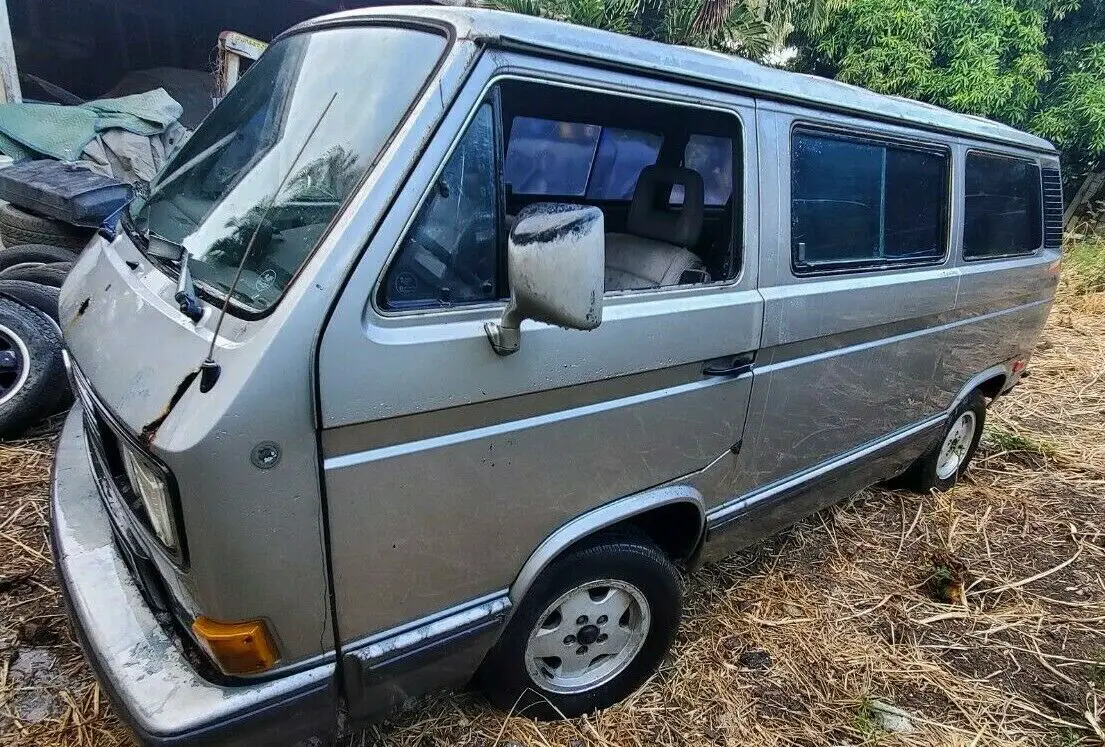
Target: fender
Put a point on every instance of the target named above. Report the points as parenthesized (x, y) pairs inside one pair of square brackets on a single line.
[(600, 518), (1002, 369)]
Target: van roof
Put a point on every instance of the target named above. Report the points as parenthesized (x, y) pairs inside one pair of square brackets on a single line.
[(513, 30)]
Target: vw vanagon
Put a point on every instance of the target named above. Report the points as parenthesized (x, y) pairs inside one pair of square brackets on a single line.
[(452, 338)]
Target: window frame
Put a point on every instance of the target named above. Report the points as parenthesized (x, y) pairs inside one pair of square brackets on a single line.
[(488, 97), (857, 135), (1039, 173), (491, 87)]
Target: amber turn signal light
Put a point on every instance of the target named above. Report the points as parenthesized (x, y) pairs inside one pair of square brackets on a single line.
[(237, 647)]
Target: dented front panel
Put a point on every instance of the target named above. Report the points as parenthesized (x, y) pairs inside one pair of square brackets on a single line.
[(254, 530)]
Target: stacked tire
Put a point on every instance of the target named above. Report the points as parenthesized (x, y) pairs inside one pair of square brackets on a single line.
[(33, 383), (19, 226)]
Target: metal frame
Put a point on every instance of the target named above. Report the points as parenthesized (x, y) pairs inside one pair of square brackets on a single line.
[(799, 126), (490, 88)]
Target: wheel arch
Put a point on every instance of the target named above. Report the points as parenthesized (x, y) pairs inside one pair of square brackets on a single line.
[(990, 382), (673, 516)]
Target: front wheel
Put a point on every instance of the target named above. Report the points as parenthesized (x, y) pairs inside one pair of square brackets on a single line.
[(941, 466), (592, 628)]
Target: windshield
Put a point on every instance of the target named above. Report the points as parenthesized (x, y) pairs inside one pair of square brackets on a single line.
[(311, 115)]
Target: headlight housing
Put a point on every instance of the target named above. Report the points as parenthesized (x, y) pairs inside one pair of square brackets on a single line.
[(149, 484)]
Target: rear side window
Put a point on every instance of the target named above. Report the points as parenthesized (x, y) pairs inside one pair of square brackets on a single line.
[(858, 203), (570, 159), (1003, 207)]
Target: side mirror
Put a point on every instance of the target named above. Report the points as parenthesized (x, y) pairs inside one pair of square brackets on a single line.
[(556, 262)]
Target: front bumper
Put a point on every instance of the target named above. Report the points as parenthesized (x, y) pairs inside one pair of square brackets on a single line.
[(145, 675)]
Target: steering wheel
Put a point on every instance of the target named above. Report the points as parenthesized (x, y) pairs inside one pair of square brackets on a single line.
[(455, 272)]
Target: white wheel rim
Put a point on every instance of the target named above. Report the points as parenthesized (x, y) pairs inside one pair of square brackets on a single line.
[(956, 443), (10, 342), (587, 637)]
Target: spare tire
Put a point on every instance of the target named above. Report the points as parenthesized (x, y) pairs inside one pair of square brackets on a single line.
[(32, 374), (40, 297), (52, 274), (19, 226), (35, 253)]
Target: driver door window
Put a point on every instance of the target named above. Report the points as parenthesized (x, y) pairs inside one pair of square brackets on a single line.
[(449, 256)]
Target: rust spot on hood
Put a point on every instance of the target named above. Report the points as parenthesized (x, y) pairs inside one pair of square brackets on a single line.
[(81, 309), (149, 430)]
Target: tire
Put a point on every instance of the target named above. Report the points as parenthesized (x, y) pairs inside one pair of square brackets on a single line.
[(35, 254), (44, 298), (929, 472), (52, 274), (624, 568), (19, 226), (32, 375)]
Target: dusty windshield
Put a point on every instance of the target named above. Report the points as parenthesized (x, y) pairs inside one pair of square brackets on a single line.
[(312, 115)]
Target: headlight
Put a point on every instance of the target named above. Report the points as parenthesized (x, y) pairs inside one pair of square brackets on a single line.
[(148, 482)]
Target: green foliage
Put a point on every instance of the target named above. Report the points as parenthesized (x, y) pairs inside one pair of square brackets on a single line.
[(985, 57), (1035, 64), (750, 28), (1075, 115), (1007, 441), (1084, 266), (1073, 110)]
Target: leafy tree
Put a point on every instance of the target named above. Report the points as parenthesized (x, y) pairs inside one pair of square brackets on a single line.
[(1035, 64), (985, 57), (1072, 112)]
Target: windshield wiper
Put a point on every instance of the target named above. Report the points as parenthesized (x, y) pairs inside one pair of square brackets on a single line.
[(185, 296)]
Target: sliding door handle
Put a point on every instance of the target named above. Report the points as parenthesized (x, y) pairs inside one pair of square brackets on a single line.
[(738, 365)]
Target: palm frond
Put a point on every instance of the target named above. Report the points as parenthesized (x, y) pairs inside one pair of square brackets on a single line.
[(713, 14), (525, 7), (740, 31), (612, 15), (679, 23)]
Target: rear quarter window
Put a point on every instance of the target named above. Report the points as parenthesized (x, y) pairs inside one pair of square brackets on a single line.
[(1003, 207)]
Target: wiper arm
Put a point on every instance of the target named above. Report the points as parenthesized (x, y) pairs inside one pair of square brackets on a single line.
[(185, 295)]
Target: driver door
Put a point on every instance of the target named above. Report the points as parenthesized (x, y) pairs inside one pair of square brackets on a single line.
[(446, 465)]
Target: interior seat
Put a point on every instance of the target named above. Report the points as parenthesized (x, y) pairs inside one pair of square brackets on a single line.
[(654, 251)]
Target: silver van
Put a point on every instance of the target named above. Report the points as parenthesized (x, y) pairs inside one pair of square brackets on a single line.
[(452, 338)]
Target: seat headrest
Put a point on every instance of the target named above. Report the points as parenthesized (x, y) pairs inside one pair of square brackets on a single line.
[(650, 215)]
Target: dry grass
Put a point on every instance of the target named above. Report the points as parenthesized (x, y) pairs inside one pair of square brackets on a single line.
[(978, 611)]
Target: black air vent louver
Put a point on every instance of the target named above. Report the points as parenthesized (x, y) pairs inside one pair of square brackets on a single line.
[(1053, 209)]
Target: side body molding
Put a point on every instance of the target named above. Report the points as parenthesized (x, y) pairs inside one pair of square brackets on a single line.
[(600, 518)]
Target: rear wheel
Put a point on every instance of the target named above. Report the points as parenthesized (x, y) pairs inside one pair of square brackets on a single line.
[(941, 466), (592, 628)]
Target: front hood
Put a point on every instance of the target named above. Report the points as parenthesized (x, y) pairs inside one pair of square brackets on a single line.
[(126, 334)]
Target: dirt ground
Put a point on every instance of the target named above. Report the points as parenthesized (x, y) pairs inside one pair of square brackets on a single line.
[(972, 617)]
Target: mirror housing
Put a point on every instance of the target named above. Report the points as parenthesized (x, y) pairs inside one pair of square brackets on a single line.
[(556, 262)]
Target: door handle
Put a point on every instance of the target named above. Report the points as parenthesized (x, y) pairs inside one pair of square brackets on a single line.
[(737, 366)]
